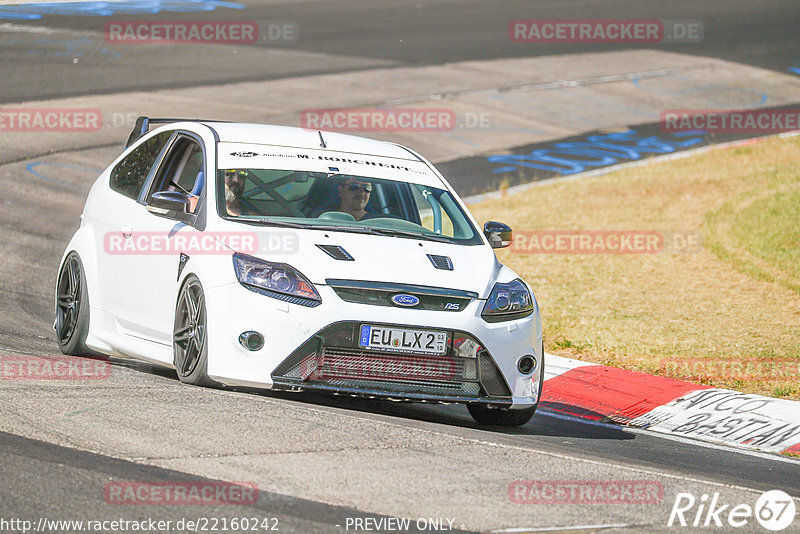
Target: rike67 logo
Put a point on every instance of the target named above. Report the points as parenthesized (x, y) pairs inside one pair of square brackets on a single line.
[(774, 510)]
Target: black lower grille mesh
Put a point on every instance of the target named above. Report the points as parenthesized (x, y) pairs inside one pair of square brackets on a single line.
[(356, 364), (391, 372), (326, 361), (491, 379)]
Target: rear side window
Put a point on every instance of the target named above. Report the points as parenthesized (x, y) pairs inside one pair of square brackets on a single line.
[(129, 175)]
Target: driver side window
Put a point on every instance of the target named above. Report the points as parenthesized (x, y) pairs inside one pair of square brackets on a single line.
[(183, 170), (128, 177)]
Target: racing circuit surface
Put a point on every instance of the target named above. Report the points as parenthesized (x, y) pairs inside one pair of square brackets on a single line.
[(321, 462)]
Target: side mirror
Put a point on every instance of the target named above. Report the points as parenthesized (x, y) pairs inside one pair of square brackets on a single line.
[(498, 234), (171, 204)]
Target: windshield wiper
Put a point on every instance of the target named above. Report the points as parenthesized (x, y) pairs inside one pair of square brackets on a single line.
[(380, 231), (415, 235), (354, 229), (270, 222), (287, 224)]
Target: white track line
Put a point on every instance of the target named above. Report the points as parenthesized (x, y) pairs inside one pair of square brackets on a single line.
[(9, 27), (558, 529), (680, 439), (383, 419)]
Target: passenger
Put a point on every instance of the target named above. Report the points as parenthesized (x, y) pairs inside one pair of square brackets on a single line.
[(234, 190)]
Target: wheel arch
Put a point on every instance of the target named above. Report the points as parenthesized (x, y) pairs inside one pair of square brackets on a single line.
[(83, 244)]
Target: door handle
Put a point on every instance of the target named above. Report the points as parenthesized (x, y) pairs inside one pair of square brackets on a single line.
[(126, 230)]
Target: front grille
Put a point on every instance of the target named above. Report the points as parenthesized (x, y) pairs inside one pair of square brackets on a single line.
[(332, 360), (411, 373), (357, 364), (383, 298), (380, 294), (399, 373)]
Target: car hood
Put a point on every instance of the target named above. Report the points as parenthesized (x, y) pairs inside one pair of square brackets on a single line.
[(375, 258)]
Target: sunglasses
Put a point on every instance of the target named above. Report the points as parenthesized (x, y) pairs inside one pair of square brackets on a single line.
[(367, 188), (235, 175)]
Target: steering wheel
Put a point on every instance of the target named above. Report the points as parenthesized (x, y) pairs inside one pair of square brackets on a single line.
[(339, 216)]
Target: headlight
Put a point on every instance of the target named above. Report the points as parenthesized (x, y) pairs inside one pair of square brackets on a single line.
[(508, 301), (276, 280)]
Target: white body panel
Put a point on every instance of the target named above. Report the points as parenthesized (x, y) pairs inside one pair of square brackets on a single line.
[(133, 297)]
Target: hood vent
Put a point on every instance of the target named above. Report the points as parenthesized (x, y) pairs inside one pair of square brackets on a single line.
[(441, 262), (336, 252)]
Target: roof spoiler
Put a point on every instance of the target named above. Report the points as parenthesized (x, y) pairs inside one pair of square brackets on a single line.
[(142, 126)]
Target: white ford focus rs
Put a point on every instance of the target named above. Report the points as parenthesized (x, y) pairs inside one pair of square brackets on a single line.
[(288, 259)]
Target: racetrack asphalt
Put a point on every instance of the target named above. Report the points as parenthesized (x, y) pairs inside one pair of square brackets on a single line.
[(315, 459), (345, 35)]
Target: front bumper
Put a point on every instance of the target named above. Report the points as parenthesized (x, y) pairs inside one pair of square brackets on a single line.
[(317, 349), (332, 360)]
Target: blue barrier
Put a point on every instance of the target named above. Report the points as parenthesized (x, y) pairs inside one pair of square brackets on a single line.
[(107, 9), (596, 151)]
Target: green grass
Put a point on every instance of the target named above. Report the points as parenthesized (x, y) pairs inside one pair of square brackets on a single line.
[(735, 298), (785, 391), (763, 238)]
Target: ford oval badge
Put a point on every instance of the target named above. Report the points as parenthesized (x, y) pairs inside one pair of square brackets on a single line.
[(403, 299)]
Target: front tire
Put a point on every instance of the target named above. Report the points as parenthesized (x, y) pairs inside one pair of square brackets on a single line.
[(72, 308), (189, 335)]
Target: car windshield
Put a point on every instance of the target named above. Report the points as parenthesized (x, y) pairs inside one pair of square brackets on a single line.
[(343, 202)]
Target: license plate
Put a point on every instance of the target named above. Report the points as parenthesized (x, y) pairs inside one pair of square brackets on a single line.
[(402, 339)]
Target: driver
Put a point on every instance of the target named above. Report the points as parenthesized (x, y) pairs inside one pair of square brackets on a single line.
[(354, 195), (234, 189)]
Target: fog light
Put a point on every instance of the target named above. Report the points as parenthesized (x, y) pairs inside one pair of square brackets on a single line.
[(251, 340), (526, 365)]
